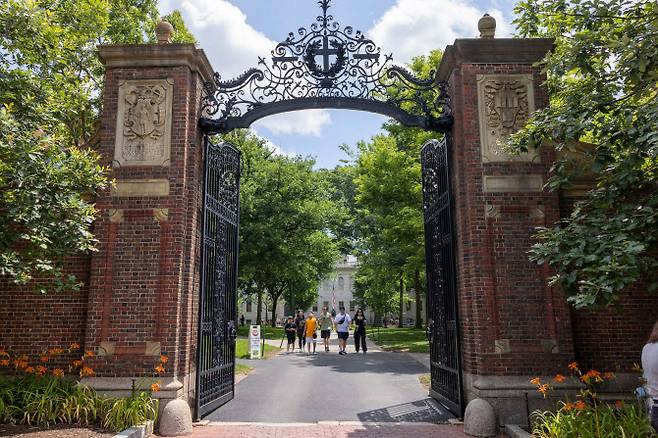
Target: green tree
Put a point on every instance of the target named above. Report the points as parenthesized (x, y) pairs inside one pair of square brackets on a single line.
[(50, 89), (602, 78), (286, 247), (389, 200)]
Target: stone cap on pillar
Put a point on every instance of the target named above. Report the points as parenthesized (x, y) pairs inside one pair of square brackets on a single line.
[(156, 55), (492, 51)]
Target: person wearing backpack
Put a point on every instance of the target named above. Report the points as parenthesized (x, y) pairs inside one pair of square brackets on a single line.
[(342, 321)]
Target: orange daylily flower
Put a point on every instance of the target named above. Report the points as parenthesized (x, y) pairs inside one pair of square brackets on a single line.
[(164, 358), (86, 371), (619, 404), (573, 366), (76, 363), (160, 369), (544, 389), (4, 362), (29, 370), (74, 346), (580, 405), (41, 370), (560, 378), (55, 351), (535, 381), (20, 364), (58, 372), (155, 387), (568, 406), (44, 358), (89, 354), (3, 353), (591, 375)]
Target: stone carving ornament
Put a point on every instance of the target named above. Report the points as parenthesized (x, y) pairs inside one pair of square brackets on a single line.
[(505, 102), (143, 134)]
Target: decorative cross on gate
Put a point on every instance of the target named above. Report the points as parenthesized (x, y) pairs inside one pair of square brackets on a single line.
[(326, 51)]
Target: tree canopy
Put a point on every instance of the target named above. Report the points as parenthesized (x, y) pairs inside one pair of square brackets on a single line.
[(50, 91), (602, 80), (287, 215)]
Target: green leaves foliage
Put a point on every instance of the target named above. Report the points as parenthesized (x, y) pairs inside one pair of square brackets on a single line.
[(51, 84), (288, 212), (602, 79)]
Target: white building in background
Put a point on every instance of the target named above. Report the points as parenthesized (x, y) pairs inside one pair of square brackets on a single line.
[(334, 292)]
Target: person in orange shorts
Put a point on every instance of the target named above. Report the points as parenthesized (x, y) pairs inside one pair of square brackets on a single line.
[(311, 334)]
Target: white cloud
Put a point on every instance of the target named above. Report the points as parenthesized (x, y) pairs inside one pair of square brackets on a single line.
[(415, 27), (233, 46), (309, 122), (278, 150)]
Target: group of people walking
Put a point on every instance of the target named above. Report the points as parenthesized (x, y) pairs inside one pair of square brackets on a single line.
[(303, 330)]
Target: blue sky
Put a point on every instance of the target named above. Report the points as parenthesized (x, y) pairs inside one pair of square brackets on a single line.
[(234, 33)]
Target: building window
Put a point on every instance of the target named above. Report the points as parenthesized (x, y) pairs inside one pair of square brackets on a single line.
[(341, 283), (315, 308), (352, 306), (341, 304), (249, 305), (408, 306)]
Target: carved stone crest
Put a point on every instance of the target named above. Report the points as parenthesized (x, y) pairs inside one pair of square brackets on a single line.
[(504, 104), (143, 133)]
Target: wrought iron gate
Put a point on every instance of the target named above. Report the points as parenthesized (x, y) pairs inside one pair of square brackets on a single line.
[(442, 320), (219, 267)]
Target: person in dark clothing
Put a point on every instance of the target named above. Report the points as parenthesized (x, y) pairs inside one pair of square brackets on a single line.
[(241, 320), (300, 322), (360, 331), (291, 330)]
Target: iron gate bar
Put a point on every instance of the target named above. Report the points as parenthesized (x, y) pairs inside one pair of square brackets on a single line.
[(360, 77), (441, 310), (219, 266)]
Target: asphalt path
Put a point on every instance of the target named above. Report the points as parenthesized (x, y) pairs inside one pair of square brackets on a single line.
[(298, 388)]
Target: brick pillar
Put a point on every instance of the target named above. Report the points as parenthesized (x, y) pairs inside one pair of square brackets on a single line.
[(513, 326), (144, 278)]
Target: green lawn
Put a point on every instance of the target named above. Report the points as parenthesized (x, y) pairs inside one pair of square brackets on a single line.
[(400, 339), (266, 332), (242, 349)]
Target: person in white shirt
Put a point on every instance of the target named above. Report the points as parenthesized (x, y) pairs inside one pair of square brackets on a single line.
[(342, 322), (650, 367)]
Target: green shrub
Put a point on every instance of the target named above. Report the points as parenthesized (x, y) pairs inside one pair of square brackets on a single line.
[(126, 412), (600, 421)]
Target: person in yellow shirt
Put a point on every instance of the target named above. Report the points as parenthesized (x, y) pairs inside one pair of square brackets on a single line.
[(311, 328)]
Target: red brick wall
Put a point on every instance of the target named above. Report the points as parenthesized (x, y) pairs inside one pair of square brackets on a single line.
[(612, 339), (502, 295), (31, 323), (143, 281)]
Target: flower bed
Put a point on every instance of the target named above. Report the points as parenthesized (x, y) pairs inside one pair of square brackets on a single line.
[(586, 415), (35, 394)]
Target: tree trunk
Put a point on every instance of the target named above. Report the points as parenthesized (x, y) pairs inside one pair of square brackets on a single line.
[(259, 308), (401, 314), (274, 301), (419, 299)]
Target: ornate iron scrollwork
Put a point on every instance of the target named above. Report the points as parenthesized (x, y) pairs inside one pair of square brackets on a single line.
[(325, 66)]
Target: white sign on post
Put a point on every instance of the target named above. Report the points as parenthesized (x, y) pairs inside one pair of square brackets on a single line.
[(254, 341)]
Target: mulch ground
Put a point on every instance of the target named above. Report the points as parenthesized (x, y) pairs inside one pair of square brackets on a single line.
[(58, 431)]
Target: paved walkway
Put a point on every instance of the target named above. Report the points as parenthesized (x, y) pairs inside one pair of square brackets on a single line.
[(298, 388), (336, 430)]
